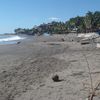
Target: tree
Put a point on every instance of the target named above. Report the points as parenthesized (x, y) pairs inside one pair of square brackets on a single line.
[(89, 21), (96, 21)]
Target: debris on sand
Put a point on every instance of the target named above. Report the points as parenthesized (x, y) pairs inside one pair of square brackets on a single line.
[(54, 44), (84, 43), (55, 78), (18, 42), (62, 39)]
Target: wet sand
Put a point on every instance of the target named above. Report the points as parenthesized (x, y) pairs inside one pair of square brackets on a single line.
[(26, 69)]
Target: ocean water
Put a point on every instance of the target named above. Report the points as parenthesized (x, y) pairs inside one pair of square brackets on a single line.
[(10, 39)]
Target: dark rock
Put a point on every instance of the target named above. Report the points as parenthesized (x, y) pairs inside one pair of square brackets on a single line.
[(18, 42), (55, 78), (62, 39)]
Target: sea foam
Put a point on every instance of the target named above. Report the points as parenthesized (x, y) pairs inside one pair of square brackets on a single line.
[(10, 38)]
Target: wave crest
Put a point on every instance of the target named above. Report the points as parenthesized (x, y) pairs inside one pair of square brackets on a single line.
[(11, 38)]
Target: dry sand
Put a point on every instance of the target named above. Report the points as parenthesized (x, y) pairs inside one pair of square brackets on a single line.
[(26, 69)]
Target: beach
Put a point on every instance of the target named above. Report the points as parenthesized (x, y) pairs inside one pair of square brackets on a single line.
[(26, 69)]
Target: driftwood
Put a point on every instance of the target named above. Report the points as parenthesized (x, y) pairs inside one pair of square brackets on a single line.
[(84, 42), (93, 88), (94, 91)]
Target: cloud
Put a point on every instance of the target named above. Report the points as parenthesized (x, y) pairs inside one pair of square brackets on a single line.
[(54, 18)]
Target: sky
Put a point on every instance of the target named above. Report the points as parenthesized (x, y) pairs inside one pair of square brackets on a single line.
[(28, 13)]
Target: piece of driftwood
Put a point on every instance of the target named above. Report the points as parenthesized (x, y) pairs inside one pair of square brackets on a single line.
[(94, 91), (84, 43)]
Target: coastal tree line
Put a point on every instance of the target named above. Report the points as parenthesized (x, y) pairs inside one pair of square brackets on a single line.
[(80, 24)]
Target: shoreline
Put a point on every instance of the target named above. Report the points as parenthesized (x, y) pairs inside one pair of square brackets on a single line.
[(26, 69)]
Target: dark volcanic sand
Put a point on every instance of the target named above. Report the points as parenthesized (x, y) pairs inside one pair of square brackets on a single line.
[(26, 69)]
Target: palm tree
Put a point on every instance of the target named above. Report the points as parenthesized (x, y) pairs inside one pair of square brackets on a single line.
[(88, 20), (96, 21)]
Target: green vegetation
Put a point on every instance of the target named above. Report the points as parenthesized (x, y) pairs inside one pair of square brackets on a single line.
[(88, 23)]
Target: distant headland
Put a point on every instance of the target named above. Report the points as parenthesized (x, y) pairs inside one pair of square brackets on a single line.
[(80, 24)]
